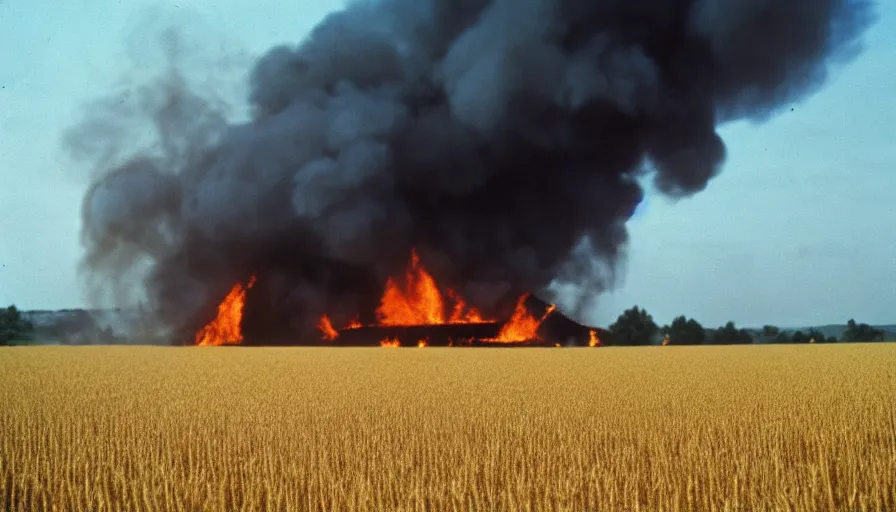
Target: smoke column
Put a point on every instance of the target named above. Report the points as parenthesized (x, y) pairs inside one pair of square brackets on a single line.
[(500, 138)]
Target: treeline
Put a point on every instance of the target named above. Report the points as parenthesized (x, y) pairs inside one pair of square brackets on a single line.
[(14, 329), (69, 327), (636, 326)]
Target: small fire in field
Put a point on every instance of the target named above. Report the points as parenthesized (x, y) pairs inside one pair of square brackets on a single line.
[(423, 343), (390, 343), (593, 340), (522, 326), (326, 327), (225, 329)]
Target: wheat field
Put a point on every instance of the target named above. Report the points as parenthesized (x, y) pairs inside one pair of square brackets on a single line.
[(654, 428)]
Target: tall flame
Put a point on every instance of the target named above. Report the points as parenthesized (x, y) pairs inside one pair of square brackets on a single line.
[(225, 329), (420, 302), (593, 340), (522, 326), (326, 327)]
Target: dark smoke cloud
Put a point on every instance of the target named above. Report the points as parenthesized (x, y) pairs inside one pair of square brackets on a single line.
[(500, 138)]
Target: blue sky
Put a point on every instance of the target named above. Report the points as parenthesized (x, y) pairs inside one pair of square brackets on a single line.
[(799, 228)]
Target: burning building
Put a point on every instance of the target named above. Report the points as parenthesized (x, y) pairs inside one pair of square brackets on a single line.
[(416, 316), (414, 312), (501, 140)]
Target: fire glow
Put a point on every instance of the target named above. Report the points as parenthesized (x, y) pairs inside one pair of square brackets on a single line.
[(411, 303), (225, 329), (420, 302), (326, 327), (593, 340), (522, 326)]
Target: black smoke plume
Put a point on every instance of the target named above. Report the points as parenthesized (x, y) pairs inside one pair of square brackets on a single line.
[(500, 138)]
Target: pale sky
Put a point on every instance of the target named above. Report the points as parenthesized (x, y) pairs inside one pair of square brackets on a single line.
[(799, 228)]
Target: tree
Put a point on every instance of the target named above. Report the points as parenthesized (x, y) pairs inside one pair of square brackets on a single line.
[(13, 327), (685, 331), (799, 337), (770, 331), (861, 332), (634, 327), (730, 335), (783, 337), (816, 336)]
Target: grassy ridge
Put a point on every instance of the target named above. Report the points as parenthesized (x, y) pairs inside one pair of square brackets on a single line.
[(657, 428)]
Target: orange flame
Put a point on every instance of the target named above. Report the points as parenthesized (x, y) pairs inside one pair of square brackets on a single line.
[(225, 328), (666, 340), (593, 340), (326, 327), (461, 314), (522, 326), (420, 303)]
